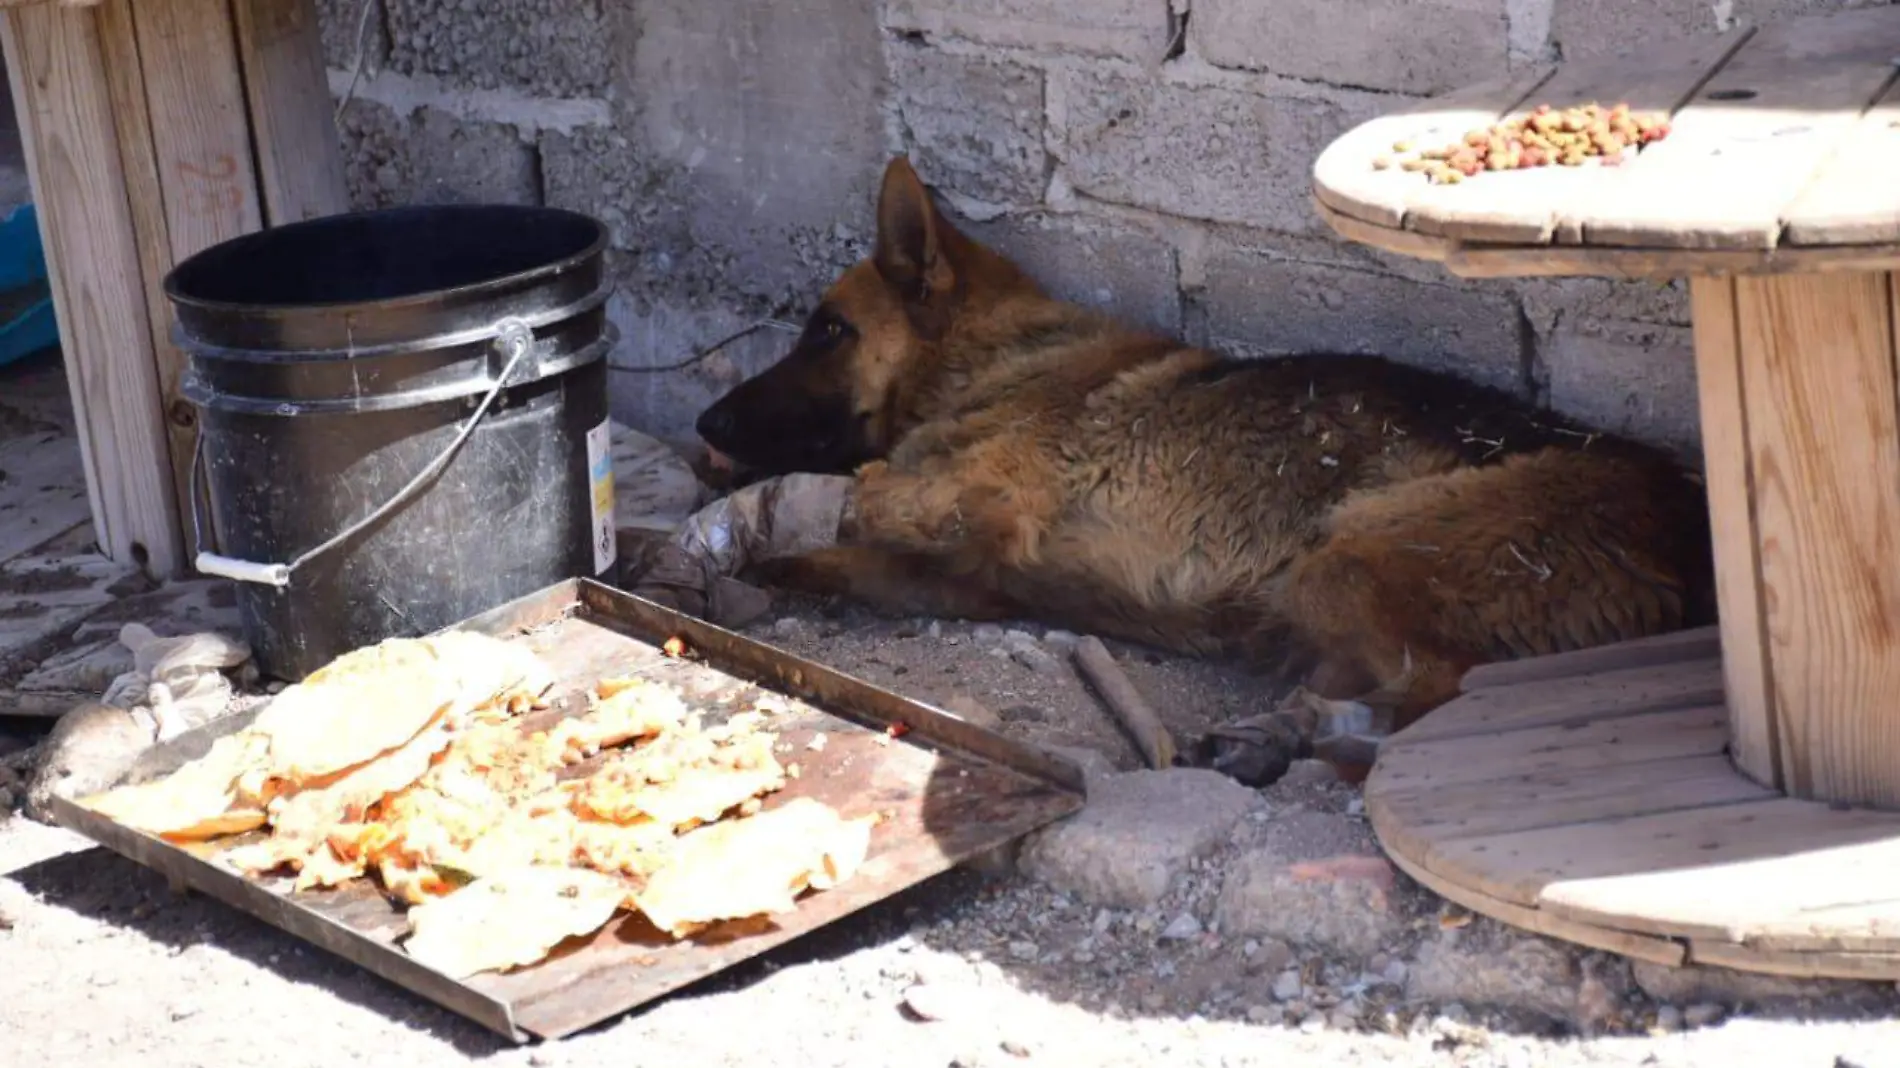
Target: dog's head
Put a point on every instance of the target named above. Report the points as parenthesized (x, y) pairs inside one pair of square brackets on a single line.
[(836, 400)]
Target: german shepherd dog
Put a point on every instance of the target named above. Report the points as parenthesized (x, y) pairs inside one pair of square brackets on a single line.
[(1014, 456)]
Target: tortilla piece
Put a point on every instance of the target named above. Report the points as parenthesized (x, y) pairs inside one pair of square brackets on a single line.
[(200, 800), (510, 919), (754, 866), (680, 781), (638, 709), (363, 703), (490, 670)]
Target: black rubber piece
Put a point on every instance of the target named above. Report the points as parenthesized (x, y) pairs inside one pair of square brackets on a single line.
[(331, 361)]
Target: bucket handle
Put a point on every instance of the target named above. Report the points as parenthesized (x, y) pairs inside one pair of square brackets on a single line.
[(513, 338)]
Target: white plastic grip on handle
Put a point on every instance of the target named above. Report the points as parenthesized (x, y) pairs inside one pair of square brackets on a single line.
[(244, 570)]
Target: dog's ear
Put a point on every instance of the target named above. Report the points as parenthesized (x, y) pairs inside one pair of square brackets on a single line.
[(910, 248)]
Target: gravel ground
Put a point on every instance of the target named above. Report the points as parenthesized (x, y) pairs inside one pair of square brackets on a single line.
[(990, 967)]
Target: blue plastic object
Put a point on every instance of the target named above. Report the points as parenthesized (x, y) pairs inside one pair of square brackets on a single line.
[(23, 264)]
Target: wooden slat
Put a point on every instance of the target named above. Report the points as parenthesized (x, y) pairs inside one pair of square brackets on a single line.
[(1429, 812), (1730, 168), (1872, 927), (1851, 200), (1709, 872), (1699, 643), (1604, 695), (1726, 471), (1480, 260), (299, 158), (139, 164), (1526, 207), (1594, 745), (54, 59), (1817, 359), (1837, 964), (1662, 951), (1343, 175)]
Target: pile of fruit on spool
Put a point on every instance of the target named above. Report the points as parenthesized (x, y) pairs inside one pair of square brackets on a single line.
[(1544, 138)]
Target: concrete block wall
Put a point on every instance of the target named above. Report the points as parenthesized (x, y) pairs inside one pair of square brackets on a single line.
[(1149, 156)]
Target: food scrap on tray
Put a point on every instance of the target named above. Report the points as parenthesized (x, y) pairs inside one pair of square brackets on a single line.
[(1544, 138), (406, 762)]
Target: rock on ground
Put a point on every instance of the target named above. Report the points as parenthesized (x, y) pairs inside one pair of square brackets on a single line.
[(1315, 879), (1137, 835)]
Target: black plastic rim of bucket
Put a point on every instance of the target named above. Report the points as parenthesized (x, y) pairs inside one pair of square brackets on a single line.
[(346, 285)]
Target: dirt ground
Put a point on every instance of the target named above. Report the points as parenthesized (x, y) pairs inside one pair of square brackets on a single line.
[(107, 967)]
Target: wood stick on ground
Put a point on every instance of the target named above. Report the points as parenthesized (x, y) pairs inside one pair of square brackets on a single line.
[(1112, 684)]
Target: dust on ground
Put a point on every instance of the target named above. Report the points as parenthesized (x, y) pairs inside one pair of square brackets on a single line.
[(972, 968)]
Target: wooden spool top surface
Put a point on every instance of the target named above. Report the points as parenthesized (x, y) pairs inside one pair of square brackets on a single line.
[(1783, 155)]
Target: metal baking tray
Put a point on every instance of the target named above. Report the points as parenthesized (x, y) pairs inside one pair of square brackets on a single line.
[(947, 790)]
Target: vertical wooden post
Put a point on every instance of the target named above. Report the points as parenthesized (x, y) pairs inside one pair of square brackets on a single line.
[(60, 90), (298, 157), (1822, 404), (155, 129), (1738, 590)]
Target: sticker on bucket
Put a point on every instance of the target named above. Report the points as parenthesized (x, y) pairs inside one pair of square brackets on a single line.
[(600, 476)]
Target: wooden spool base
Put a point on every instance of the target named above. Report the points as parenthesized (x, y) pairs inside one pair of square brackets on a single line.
[(1590, 797)]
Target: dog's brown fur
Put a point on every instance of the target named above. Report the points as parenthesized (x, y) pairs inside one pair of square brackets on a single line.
[(1018, 456)]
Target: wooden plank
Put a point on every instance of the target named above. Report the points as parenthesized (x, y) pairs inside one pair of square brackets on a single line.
[(1426, 813), (1344, 177), (1403, 242), (1576, 700), (43, 594), (1527, 206), (1697, 643), (1737, 157), (1817, 360), (1587, 746), (1715, 872), (1873, 927), (1851, 198), (54, 59), (42, 491), (132, 117), (299, 158), (1656, 264), (1730, 481), (1834, 964), (1662, 951)]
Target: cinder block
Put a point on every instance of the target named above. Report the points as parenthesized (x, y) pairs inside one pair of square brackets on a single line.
[(1260, 304), (557, 48), (1131, 275), (1128, 29), (975, 124), (1204, 152), (338, 22), (433, 158), (1583, 28), (1636, 379), (1402, 45)]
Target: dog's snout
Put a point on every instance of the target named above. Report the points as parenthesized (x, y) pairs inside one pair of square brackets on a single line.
[(715, 423)]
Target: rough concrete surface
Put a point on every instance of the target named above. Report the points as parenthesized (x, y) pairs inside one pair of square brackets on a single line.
[(1375, 44)]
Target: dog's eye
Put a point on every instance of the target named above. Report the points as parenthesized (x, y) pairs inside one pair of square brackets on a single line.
[(833, 329)]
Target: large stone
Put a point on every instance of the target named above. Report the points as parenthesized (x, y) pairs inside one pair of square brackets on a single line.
[(1138, 833), (1692, 984), (975, 124), (1488, 964), (432, 158), (91, 748), (545, 47), (1209, 152), (1261, 304), (1401, 45), (1130, 29), (1131, 275), (1316, 879)]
